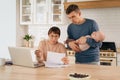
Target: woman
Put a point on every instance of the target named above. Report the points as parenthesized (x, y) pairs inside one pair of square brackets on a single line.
[(51, 44)]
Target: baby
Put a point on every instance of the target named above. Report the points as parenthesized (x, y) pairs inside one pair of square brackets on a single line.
[(98, 36)]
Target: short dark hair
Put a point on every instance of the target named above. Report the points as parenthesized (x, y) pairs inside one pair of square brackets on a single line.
[(55, 30), (72, 7)]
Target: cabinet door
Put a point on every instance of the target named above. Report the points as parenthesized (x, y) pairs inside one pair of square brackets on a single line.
[(118, 57), (26, 11), (40, 11), (56, 11)]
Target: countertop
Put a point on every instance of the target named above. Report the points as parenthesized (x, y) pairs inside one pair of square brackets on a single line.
[(42, 73)]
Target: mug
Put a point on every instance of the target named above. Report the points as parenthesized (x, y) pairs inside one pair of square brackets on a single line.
[(2, 61)]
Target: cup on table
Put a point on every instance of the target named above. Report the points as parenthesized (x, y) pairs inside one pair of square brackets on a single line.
[(2, 61)]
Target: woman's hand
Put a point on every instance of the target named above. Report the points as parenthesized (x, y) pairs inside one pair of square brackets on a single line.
[(38, 53), (65, 60), (39, 56)]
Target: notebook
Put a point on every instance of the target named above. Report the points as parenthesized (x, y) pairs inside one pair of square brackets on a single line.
[(23, 56)]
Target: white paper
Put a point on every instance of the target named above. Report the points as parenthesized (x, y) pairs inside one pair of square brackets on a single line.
[(50, 65), (54, 59)]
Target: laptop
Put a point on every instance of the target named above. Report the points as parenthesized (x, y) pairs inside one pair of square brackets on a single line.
[(23, 56)]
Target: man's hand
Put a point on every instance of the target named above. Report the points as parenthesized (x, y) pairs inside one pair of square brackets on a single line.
[(73, 45)]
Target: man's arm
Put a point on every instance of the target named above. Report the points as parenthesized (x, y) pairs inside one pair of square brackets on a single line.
[(69, 40), (73, 45)]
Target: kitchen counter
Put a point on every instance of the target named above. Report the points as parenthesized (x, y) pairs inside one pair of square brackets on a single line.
[(42, 73)]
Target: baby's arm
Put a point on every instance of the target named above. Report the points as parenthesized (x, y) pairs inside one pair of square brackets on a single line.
[(82, 43), (81, 40)]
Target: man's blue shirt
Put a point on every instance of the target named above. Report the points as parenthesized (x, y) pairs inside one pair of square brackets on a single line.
[(75, 31)]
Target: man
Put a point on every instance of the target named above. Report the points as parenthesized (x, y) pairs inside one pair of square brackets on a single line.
[(79, 28)]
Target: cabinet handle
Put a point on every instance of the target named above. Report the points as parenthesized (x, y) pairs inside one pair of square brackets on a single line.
[(106, 60)]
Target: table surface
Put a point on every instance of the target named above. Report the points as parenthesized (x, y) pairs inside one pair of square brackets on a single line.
[(41, 73)]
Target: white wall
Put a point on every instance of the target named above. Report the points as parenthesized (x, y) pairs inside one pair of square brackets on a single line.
[(108, 20), (7, 26)]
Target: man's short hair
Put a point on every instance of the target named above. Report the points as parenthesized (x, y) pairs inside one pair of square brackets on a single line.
[(72, 8)]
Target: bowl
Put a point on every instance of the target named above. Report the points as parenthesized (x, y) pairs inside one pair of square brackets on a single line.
[(79, 76)]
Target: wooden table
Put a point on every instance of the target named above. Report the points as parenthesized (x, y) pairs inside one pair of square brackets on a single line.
[(42, 73)]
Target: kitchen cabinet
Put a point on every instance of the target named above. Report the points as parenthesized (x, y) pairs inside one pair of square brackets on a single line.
[(118, 59), (26, 11), (94, 4), (41, 11), (56, 11)]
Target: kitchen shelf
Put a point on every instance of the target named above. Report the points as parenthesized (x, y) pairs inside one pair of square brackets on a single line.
[(41, 12), (94, 4)]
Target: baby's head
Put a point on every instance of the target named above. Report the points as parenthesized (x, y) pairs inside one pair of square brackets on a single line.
[(98, 36)]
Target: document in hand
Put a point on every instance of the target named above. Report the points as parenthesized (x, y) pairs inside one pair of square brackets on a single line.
[(50, 65), (54, 59)]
